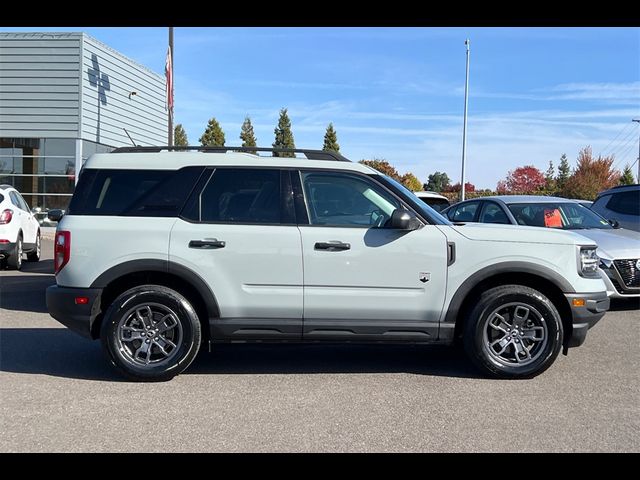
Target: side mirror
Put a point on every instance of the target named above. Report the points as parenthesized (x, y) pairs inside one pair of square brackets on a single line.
[(614, 223), (55, 215), (402, 220)]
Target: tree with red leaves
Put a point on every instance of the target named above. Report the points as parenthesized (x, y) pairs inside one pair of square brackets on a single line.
[(527, 179), (468, 187)]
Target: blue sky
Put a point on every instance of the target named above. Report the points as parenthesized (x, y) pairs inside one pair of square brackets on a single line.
[(397, 93)]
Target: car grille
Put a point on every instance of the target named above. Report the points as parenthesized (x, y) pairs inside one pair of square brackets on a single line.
[(629, 272)]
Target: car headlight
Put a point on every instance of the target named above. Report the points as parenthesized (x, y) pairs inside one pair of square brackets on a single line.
[(588, 265)]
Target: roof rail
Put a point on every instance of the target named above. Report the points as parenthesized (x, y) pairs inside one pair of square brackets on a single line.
[(623, 186), (310, 154), (6, 185)]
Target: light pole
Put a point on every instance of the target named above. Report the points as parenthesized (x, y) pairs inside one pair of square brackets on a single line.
[(170, 89), (638, 159), (464, 127)]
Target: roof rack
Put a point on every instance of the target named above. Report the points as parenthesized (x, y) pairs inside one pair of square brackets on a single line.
[(310, 154), (623, 186)]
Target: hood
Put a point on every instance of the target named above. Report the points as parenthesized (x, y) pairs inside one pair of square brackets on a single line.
[(522, 234), (615, 243)]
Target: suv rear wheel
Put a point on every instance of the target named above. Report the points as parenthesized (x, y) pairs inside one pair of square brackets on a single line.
[(513, 332), (151, 333)]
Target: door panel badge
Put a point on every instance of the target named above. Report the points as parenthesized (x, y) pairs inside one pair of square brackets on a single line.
[(424, 277)]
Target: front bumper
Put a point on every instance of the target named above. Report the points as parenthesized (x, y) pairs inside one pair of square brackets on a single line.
[(585, 317), (61, 303)]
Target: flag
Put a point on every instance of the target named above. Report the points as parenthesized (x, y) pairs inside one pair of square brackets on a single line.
[(168, 71)]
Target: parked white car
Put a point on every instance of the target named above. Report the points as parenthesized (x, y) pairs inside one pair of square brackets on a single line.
[(434, 200), (162, 251), (19, 229)]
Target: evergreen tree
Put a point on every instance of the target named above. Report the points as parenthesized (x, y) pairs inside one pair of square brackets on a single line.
[(284, 136), (437, 182), (564, 171), (180, 136), (213, 136), (331, 140), (247, 135), (627, 176), (549, 177)]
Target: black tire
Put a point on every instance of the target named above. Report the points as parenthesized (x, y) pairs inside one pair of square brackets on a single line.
[(14, 260), (119, 319), (537, 316), (34, 256)]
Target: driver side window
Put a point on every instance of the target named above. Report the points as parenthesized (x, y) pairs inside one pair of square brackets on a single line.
[(341, 199)]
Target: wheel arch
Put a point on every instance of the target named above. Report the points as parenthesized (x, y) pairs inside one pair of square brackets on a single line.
[(185, 281), (541, 278)]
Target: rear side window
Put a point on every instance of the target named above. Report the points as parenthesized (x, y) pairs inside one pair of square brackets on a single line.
[(464, 213), (626, 203), (240, 195), (1, 198), (148, 193)]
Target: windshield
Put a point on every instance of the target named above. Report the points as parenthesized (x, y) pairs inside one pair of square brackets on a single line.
[(564, 215), (416, 203)]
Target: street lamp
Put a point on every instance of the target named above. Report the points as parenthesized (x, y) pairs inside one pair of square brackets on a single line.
[(638, 159)]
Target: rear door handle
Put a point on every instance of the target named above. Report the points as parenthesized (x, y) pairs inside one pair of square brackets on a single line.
[(332, 246), (207, 244)]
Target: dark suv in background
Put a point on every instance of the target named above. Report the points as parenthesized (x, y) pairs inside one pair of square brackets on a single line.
[(620, 203)]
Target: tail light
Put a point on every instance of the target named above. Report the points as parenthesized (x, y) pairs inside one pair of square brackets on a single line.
[(62, 250), (6, 216)]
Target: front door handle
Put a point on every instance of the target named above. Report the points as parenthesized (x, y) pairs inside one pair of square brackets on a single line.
[(332, 246), (207, 244)]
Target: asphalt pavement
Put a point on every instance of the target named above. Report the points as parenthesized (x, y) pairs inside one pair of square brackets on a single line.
[(57, 393)]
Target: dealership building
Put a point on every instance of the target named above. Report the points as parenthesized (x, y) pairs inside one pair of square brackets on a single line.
[(64, 97)]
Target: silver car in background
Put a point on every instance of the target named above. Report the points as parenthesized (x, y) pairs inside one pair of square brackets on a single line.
[(618, 248)]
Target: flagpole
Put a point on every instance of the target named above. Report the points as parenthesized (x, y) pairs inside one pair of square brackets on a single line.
[(170, 124)]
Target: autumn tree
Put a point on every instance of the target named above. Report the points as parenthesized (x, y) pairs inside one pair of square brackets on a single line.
[(437, 182), (381, 165), (627, 176), (468, 187), (527, 179), (213, 136), (592, 175), (410, 181), (284, 135), (331, 140), (247, 135), (564, 171), (180, 136)]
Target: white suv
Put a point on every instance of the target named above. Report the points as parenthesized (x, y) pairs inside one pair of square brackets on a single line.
[(162, 250), (19, 229)]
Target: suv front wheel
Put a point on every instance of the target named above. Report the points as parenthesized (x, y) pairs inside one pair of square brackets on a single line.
[(513, 332), (151, 333)]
